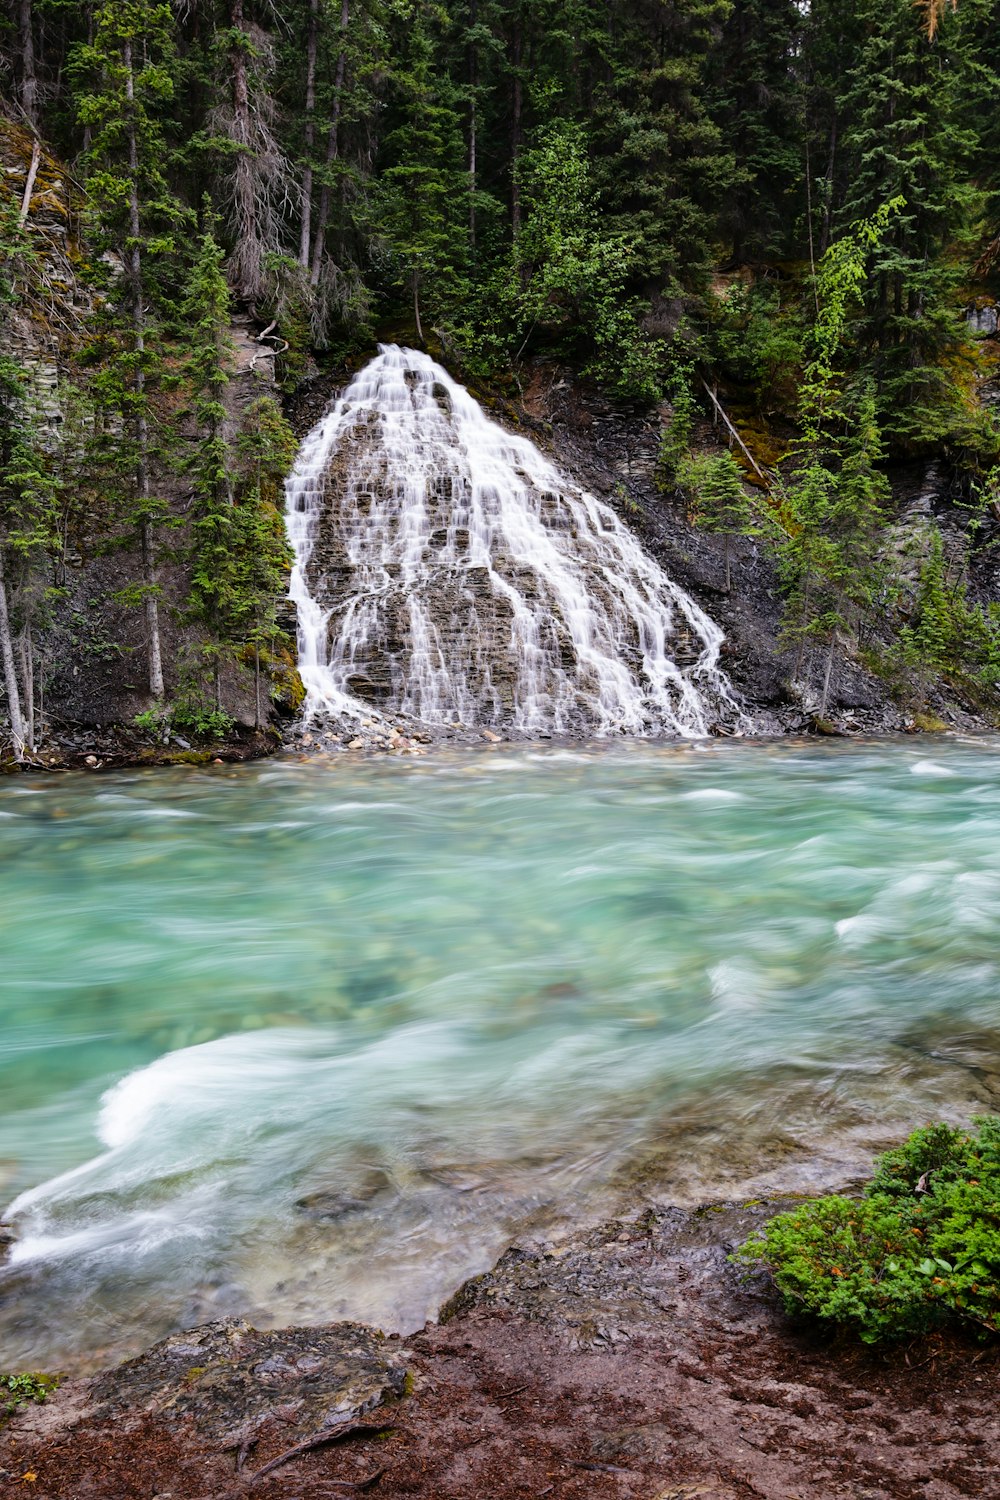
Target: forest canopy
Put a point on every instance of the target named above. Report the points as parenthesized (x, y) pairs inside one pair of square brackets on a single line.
[(549, 176)]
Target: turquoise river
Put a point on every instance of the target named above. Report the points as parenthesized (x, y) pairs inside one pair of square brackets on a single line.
[(314, 1039)]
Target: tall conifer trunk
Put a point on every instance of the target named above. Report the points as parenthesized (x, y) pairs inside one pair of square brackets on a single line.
[(28, 91), (332, 148), (10, 672), (517, 45), (305, 230), (133, 262), (473, 84)]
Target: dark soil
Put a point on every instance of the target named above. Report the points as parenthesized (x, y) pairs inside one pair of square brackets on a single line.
[(632, 1361)]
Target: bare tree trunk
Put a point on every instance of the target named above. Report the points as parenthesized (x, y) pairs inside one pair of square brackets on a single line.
[(133, 262), (824, 243), (473, 85), (515, 130), (726, 550), (29, 185), (88, 133), (152, 609), (828, 674), (809, 221), (416, 307), (332, 149), (256, 686), (10, 672), (26, 46), (305, 235), (28, 685), (247, 217)]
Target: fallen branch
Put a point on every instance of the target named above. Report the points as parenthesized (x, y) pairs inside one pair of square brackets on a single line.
[(506, 1395), (722, 413), (582, 1463), (29, 186), (320, 1440)]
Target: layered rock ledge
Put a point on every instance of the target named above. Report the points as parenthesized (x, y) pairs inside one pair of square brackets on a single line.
[(630, 1361)]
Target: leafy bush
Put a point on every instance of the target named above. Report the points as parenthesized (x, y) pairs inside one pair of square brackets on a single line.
[(920, 1249)]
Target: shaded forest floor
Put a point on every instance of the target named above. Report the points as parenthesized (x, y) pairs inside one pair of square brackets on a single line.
[(631, 1361)]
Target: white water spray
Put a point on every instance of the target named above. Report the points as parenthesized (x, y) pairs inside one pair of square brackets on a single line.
[(446, 571)]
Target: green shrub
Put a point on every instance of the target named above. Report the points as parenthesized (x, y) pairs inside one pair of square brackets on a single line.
[(920, 1249)]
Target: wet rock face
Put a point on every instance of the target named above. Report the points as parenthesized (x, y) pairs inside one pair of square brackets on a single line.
[(229, 1379), (607, 1286), (449, 574)]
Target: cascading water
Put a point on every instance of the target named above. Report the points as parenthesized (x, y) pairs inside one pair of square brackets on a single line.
[(445, 571)]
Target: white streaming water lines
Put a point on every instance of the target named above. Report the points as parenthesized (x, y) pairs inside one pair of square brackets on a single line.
[(446, 571)]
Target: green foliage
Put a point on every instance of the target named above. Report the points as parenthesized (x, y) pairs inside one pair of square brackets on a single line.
[(200, 720), (756, 341), (153, 721), (677, 431), (193, 713), (564, 289), (920, 1249), (841, 277), (16, 1390), (948, 633), (713, 483)]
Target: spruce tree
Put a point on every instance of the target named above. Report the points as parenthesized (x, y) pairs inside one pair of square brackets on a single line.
[(754, 96), (904, 135), (422, 208), (127, 88), (206, 371)]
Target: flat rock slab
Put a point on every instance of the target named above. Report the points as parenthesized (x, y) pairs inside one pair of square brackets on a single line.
[(226, 1379), (629, 1361)]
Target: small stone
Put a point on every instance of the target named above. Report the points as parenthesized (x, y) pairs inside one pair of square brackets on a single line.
[(91, 760), (494, 739), (357, 744)]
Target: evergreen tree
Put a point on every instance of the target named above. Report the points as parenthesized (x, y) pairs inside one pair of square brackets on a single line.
[(206, 371), (265, 451), (422, 215), (714, 486), (662, 164), (754, 99), (904, 136), (132, 213), (27, 504)]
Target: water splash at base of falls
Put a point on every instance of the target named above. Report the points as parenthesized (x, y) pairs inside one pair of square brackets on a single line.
[(447, 572)]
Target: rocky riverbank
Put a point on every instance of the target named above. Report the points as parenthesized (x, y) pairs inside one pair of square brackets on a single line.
[(631, 1361)]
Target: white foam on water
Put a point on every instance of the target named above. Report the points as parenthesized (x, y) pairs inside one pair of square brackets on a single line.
[(929, 768), (712, 794), (445, 570)]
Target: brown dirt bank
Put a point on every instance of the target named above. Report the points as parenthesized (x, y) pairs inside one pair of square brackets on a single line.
[(630, 1362)]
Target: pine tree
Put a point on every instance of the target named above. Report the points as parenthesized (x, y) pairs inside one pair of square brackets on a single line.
[(754, 100), (127, 67), (421, 206), (206, 372), (904, 136), (714, 486), (662, 164), (265, 451)]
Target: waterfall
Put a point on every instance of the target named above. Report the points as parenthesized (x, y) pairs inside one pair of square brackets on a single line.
[(445, 571)]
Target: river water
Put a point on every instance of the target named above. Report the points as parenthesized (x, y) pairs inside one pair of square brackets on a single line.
[(312, 1039)]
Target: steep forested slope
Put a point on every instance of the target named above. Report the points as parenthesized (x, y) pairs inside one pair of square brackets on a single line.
[(773, 215)]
